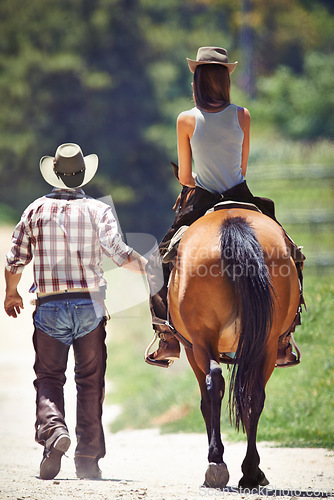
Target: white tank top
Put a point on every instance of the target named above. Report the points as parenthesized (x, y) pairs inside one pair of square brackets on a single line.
[(216, 149)]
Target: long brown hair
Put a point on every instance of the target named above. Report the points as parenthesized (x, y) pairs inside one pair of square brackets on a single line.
[(211, 86)]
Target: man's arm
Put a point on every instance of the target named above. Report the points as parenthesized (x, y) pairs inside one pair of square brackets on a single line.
[(13, 301), (135, 263)]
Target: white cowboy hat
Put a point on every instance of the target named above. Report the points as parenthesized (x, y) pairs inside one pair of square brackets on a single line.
[(69, 168), (211, 55)]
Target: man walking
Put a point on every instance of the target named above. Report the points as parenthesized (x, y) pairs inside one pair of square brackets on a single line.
[(66, 233)]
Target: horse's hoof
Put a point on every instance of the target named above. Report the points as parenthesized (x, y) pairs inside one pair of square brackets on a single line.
[(263, 480), (250, 483), (216, 476)]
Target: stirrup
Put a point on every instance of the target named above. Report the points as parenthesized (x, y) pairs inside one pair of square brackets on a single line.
[(164, 363), (163, 322)]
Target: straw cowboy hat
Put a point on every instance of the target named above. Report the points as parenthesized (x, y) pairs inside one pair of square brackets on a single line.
[(211, 55), (69, 168)]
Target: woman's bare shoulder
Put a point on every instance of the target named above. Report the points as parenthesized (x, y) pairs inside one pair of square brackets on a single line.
[(186, 120), (186, 115), (244, 117)]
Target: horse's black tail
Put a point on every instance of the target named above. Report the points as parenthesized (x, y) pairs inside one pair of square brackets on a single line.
[(243, 262)]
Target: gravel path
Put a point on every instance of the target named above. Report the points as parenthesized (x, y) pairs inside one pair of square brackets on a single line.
[(139, 464)]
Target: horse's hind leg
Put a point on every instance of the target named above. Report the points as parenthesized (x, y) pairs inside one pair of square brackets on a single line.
[(217, 475), (252, 474), (212, 388), (215, 386)]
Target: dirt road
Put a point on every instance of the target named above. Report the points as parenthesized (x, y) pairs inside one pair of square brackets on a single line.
[(138, 464)]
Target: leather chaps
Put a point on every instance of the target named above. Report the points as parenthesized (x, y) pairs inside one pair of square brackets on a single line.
[(90, 356)]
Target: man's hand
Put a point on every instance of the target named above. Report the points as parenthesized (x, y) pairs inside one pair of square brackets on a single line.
[(13, 304), (13, 300), (135, 263)]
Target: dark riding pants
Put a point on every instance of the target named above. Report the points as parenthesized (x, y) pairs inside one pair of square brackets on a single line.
[(90, 356)]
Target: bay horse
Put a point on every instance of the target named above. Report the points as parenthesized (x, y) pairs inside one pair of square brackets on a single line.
[(234, 289)]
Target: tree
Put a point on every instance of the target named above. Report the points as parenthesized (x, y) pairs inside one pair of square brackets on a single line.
[(80, 76), (302, 106), (112, 76)]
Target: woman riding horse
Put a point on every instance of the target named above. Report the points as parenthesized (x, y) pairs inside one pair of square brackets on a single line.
[(215, 136)]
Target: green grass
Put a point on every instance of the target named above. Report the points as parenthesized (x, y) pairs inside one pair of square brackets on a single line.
[(299, 405), (300, 400)]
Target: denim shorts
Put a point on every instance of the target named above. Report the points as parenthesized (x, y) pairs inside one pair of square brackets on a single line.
[(68, 320)]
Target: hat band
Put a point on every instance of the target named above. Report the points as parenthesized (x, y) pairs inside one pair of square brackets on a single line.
[(213, 60), (66, 174)]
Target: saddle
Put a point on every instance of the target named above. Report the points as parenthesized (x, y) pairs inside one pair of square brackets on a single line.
[(170, 254)]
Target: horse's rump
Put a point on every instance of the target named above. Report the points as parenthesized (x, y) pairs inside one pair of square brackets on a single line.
[(227, 285)]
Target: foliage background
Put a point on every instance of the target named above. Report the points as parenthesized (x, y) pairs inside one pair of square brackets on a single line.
[(112, 76)]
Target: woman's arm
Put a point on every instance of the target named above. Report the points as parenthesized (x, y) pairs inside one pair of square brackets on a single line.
[(244, 121), (185, 127)]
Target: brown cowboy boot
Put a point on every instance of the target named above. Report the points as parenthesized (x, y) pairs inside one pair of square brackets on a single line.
[(169, 347), (168, 350), (285, 355)]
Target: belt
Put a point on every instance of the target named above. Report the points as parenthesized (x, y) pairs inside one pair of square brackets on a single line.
[(71, 290), (98, 295)]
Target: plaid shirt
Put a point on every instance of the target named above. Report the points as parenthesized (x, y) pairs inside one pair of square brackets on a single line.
[(67, 233)]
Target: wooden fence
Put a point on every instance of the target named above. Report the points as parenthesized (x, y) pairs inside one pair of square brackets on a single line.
[(315, 221)]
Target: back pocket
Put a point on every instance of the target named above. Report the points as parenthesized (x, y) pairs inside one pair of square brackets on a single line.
[(89, 315), (45, 318)]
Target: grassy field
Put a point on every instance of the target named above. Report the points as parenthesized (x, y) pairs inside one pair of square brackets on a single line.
[(299, 405)]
